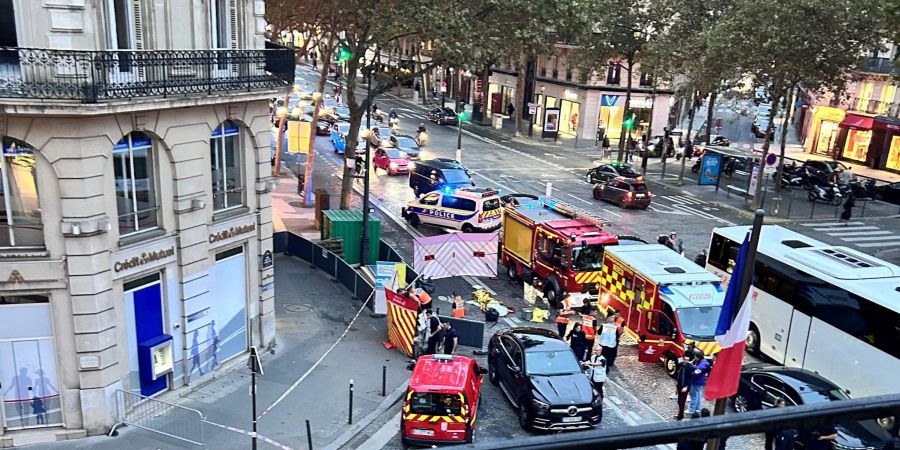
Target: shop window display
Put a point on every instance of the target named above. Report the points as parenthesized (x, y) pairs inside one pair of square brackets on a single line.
[(893, 160), (857, 146)]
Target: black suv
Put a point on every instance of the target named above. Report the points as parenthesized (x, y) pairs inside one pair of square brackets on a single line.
[(606, 172), (540, 375), (436, 174), (442, 116)]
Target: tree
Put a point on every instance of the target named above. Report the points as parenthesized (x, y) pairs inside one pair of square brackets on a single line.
[(816, 43)]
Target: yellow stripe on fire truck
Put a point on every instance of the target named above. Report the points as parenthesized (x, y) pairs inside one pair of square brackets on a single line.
[(708, 348), (588, 277), (435, 419), (613, 282)]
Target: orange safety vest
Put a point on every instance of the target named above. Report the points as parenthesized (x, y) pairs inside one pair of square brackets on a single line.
[(587, 325), (459, 308), (563, 312), (424, 298)]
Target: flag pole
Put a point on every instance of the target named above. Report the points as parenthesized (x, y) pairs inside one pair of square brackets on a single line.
[(746, 280)]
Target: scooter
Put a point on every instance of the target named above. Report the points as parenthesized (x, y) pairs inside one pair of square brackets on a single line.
[(394, 123), (422, 138), (828, 193)]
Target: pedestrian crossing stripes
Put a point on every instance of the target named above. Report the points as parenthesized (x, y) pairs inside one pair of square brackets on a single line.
[(683, 199), (857, 234)]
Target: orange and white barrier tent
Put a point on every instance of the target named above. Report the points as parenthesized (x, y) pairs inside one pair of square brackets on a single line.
[(401, 321)]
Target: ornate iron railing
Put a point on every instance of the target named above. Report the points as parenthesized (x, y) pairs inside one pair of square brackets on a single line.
[(872, 106), (92, 76)]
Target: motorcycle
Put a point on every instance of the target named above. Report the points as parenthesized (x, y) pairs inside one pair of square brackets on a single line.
[(826, 192), (863, 190), (378, 115), (394, 122), (422, 138)]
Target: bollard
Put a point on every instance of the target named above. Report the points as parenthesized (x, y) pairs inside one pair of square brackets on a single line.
[(350, 410), (777, 205), (383, 381), (549, 191), (308, 435), (812, 211), (790, 203)]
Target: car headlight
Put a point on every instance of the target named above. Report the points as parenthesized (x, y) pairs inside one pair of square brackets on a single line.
[(539, 405), (411, 165), (394, 165)]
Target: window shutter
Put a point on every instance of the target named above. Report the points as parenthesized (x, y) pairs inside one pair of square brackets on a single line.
[(138, 25), (233, 23)]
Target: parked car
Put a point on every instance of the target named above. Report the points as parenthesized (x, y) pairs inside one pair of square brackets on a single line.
[(442, 116), (823, 170), (391, 160), (539, 374), (606, 172), (625, 192), (762, 384), (404, 143), (889, 193)]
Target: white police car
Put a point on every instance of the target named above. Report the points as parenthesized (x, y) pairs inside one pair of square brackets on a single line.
[(466, 209)]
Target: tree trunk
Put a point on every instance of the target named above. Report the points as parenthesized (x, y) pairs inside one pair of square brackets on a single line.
[(485, 81), (777, 93), (709, 115), (356, 112), (687, 138), (622, 136), (649, 130), (424, 88), (323, 76), (784, 132), (520, 94)]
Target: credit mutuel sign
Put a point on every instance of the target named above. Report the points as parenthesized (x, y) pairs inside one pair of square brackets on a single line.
[(232, 231), (147, 256)]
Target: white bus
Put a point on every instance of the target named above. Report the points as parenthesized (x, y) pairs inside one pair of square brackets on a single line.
[(832, 310)]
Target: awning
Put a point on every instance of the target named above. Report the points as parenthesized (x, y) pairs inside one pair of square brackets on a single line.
[(854, 121), (887, 123)]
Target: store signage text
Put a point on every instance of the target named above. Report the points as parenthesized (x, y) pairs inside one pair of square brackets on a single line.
[(144, 258), (232, 232)]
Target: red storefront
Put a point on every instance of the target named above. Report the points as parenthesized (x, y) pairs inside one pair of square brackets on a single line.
[(873, 141), (886, 143)]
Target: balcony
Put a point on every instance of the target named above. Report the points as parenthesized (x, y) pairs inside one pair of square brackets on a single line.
[(872, 107), (91, 76), (879, 65)]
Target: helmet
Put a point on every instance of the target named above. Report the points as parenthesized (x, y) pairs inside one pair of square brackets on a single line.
[(421, 124), (393, 110)]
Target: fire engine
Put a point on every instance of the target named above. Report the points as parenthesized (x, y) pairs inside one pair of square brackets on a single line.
[(666, 301), (556, 242)]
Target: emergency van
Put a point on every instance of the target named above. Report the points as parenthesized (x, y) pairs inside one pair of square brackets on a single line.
[(666, 300), (466, 209), (441, 402)]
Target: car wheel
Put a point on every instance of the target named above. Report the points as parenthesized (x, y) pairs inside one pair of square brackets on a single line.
[(467, 228), (671, 365), (597, 195), (524, 415), (414, 220), (492, 373), (511, 271), (753, 341), (416, 190), (622, 203), (740, 403), (552, 294)]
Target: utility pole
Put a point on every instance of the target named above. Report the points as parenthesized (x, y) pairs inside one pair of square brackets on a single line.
[(255, 368), (684, 155), (364, 241), (746, 280)]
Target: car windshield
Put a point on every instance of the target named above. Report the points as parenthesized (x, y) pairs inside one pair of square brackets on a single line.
[(456, 176), (435, 404), (627, 171), (555, 362), (393, 153), (406, 142), (816, 394), (588, 257), (699, 322)]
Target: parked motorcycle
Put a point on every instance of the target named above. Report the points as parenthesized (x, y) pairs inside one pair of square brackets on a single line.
[(826, 192), (863, 190)]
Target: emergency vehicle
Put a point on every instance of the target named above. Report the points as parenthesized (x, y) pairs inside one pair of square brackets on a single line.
[(441, 402), (556, 242), (667, 301), (466, 209)]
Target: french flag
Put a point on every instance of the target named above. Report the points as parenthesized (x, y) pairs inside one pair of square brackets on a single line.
[(731, 334)]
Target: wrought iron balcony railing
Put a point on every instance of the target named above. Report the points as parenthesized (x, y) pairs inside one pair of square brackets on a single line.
[(91, 76), (872, 106)]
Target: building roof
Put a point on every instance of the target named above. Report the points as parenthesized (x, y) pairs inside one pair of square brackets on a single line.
[(662, 265)]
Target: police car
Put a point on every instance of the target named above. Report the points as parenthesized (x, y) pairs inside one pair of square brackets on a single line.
[(466, 209)]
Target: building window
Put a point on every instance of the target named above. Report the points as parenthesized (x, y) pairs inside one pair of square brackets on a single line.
[(20, 218), (613, 74), (646, 79), (135, 184), (227, 176)]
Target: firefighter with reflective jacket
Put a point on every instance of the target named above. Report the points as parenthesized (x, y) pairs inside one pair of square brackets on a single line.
[(589, 326), (562, 315)]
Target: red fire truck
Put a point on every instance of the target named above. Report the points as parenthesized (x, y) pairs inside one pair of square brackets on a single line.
[(666, 300), (556, 242)]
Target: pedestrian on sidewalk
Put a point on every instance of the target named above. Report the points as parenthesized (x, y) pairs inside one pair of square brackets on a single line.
[(683, 375), (607, 151), (597, 363), (608, 340), (510, 109), (577, 341), (632, 149), (698, 381), (451, 339), (315, 63)]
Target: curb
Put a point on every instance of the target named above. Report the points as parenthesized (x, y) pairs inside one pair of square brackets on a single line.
[(358, 427)]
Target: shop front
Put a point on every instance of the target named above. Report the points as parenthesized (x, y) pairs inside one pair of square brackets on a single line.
[(570, 113), (612, 111), (886, 143), (824, 129), (856, 130)]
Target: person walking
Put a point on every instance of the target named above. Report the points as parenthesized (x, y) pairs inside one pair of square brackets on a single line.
[(451, 339), (597, 363), (607, 151), (607, 339), (314, 57), (510, 109), (698, 381), (848, 209), (459, 306), (589, 325), (683, 375), (577, 341), (434, 328)]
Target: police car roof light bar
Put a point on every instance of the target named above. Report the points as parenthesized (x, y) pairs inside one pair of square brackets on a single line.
[(571, 211)]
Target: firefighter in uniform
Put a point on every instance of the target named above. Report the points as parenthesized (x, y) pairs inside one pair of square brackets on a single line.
[(562, 315), (589, 326), (459, 307)]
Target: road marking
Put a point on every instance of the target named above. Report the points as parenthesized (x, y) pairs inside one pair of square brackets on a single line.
[(871, 238), (656, 207), (879, 244), (854, 233), (385, 434), (580, 199), (611, 212), (702, 214), (833, 224)]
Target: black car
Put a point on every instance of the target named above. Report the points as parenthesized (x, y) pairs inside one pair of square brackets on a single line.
[(323, 128), (761, 384), (403, 142), (625, 192), (442, 116), (541, 377), (823, 170), (889, 193), (606, 172)]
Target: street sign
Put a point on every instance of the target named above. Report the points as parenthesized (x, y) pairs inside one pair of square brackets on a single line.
[(267, 259), (253, 363), (771, 159), (443, 86), (532, 109), (770, 170)]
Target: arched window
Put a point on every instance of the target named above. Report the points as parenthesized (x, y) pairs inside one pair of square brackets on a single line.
[(20, 217), (227, 169), (135, 173)]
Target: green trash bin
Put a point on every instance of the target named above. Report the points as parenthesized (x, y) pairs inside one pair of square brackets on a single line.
[(347, 225)]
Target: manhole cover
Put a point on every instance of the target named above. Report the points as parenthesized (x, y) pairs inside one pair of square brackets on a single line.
[(297, 308)]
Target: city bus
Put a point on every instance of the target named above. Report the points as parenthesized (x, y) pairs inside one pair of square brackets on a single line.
[(832, 310)]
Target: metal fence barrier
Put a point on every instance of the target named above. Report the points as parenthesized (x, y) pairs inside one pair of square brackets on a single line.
[(160, 417), (470, 332)]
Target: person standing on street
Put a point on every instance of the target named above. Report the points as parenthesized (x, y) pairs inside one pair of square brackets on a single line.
[(314, 58), (589, 325), (577, 341), (608, 339), (510, 109), (451, 339), (698, 381), (683, 375), (597, 363), (562, 316), (675, 243), (848, 209), (434, 328), (778, 439)]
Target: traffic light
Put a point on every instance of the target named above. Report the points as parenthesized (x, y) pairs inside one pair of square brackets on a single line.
[(629, 121), (343, 54), (462, 116)]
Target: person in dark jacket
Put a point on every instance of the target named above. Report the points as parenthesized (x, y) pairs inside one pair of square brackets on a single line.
[(577, 341), (435, 336), (698, 381), (848, 209), (683, 375), (772, 434)]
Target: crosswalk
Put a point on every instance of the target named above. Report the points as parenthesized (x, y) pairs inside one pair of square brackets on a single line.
[(687, 205), (858, 234)]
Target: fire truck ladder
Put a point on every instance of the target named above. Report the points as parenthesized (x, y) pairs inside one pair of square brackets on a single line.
[(573, 211)]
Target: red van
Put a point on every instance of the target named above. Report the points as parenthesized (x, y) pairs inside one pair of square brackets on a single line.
[(441, 402)]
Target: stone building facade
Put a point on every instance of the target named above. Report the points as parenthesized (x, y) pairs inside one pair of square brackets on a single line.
[(135, 234)]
